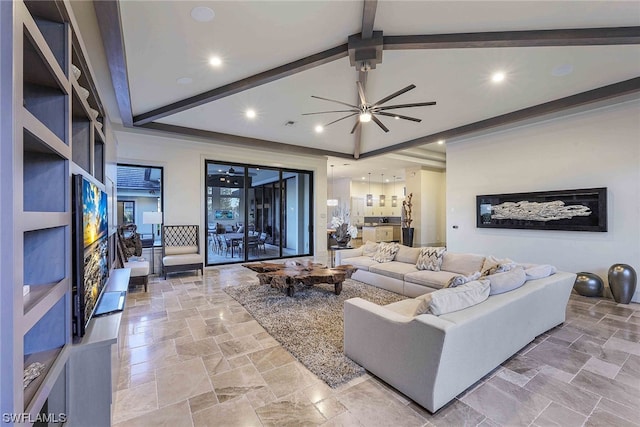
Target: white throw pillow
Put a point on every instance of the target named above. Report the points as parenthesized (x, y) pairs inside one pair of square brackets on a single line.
[(448, 300), (540, 271), (430, 258), (386, 252), (507, 281), (369, 249)]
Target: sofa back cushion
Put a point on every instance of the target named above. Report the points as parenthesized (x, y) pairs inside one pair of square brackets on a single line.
[(448, 300), (506, 281), (461, 263), (386, 252), (407, 254), (430, 258), (369, 249)]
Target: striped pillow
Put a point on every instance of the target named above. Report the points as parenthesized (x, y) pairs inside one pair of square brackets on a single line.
[(430, 258), (386, 252)]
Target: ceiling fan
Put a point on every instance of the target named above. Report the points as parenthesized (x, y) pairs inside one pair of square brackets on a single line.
[(368, 112)]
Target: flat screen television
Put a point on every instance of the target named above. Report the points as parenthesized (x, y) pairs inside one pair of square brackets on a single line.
[(91, 247)]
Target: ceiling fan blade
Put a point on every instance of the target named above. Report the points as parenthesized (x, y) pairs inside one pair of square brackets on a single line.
[(393, 95), (355, 126), (361, 93), (413, 119), (417, 104), (333, 100), (342, 118), (333, 111), (379, 123)]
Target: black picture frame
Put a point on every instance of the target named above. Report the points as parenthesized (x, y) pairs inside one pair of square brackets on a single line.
[(570, 210)]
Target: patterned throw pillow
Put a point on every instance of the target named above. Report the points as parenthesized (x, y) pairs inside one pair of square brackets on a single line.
[(493, 265), (461, 280), (430, 258), (386, 252)]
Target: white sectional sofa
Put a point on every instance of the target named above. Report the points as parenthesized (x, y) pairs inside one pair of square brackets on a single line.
[(432, 359), (402, 276)]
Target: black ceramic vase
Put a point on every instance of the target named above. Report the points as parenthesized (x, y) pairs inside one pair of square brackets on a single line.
[(407, 236), (622, 282), (588, 284)]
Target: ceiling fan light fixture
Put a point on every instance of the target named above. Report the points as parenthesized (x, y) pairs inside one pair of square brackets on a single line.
[(365, 117)]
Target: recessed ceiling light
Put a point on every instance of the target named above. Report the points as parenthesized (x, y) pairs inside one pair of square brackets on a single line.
[(184, 80), (441, 141), (202, 14), (363, 178), (319, 129), (397, 118), (497, 77), (215, 61), (250, 114), (562, 70)]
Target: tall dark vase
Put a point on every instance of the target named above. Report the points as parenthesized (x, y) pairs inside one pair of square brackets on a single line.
[(622, 282), (407, 236)]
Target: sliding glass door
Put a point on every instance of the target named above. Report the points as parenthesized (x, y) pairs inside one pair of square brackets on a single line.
[(256, 212)]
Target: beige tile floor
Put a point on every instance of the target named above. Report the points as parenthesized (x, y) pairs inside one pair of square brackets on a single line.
[(192, 356)]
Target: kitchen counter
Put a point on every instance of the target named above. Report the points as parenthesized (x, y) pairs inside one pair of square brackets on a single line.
[(382, 232)]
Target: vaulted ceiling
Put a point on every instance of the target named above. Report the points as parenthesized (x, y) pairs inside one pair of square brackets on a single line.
[(555, 56)]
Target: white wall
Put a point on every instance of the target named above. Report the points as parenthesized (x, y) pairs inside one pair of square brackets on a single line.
[(600, 148), (429, 205), (183, 162)]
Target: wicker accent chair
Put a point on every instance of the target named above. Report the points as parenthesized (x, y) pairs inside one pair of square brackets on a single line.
[(181, 249)]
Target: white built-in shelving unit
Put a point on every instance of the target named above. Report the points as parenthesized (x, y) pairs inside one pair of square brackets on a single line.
[(48, 133)]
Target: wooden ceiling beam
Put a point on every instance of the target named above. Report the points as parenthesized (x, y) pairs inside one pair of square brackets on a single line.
[(108, 12), (251, 82), (564, 37), (626, 87), (368, 17), (244, 141)]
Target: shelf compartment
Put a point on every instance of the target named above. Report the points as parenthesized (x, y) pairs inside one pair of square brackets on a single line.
[(44, 94), (42, 133), (78, 59), (40, 299), (81, 126), (45, 256), (49, 40), (50, 382), (98, 157), (45, 177)]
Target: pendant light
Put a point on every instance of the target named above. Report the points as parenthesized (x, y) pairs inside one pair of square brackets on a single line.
[(369, 196), (382, 195), (394, 198), (332, 201)]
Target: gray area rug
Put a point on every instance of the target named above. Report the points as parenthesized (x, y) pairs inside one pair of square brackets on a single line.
[(310, 324)]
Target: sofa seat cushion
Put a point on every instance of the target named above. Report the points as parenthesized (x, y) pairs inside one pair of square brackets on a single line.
[(182, 259), (138, 268), (359, 262), (180, 250), (393, 269), (462, 263), (432, 279)]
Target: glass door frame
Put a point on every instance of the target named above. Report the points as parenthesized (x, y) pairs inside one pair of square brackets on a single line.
[(282, 209)]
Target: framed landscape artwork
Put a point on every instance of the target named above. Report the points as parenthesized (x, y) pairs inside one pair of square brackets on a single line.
[(572, 210)]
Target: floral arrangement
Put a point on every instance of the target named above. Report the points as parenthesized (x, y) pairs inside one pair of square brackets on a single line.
[(344, 231), (406, 211)]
